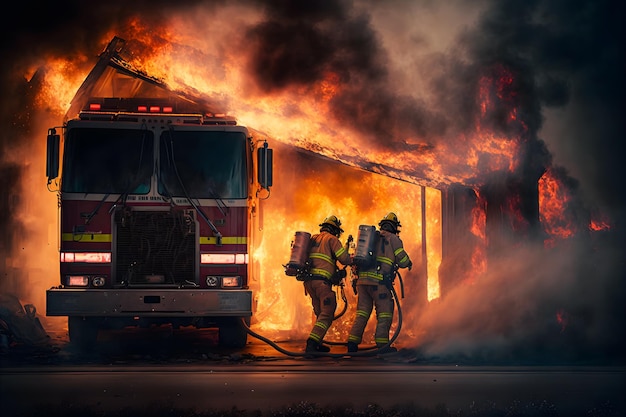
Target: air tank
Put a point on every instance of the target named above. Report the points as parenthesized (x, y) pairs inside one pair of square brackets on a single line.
[(365, 252), (299, 253)]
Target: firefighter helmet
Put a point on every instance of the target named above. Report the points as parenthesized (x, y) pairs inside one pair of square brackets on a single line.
[(390, 223), (333, 223)]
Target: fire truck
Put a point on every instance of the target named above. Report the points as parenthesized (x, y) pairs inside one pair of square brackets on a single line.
[(159, 208)]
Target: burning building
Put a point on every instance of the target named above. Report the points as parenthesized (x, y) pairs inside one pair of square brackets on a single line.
[(365, 120)]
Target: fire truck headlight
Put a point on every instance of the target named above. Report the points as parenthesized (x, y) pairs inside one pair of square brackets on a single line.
[(212, 281), (231, 282), (98, 281), (77, 280)]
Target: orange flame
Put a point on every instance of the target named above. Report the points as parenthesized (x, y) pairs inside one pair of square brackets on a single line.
[(478, 229), (303, 194), (553, 201)]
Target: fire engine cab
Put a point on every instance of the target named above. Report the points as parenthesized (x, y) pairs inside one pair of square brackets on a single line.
[(159, 203)]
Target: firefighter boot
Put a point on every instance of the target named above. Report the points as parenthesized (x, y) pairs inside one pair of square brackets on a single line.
[(386, 349), (312, 346), (352, 347)]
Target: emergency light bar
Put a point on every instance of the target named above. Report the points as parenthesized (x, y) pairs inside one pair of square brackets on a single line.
[(142, 108)]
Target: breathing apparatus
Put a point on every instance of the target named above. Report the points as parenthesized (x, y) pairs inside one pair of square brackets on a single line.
[(364, 257)]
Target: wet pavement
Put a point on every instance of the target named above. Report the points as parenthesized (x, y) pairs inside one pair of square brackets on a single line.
[(136, 367)]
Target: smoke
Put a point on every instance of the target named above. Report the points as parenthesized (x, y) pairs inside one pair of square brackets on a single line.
[(409, 73), (562, 77), (532, 306)]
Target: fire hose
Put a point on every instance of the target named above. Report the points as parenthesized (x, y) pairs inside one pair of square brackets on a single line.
[(368, 351)]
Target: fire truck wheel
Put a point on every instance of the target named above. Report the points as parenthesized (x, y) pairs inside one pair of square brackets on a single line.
[(83, 332), (232, 334)]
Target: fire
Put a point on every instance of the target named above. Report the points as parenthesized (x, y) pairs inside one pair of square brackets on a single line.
[(433, 241), (598, 225), (599, 222), (303, 115), (306, 190), (553, 201), (478, 229), (60, 84), (300, 200)]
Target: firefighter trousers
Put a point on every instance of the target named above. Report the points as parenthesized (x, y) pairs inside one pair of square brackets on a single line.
[(324, 302), (369, 297)]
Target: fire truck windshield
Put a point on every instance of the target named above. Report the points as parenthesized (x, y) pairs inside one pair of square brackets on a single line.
[(203, 164), (107, 161)]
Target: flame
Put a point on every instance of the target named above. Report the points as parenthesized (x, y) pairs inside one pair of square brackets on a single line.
[(303, 195), (516, 218), (300, 201), (598, 225), (357, 197), (433, 244), (478, 229), (599, 222), (302, 115), (553, 201), (60, 83)]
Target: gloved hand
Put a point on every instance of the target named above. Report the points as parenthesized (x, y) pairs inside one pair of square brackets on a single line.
[(410, 265)]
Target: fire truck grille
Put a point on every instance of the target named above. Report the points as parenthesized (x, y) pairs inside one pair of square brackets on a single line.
[(154, 248)]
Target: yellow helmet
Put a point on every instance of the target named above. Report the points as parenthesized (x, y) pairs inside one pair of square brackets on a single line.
[(334, 223), (390, 219)]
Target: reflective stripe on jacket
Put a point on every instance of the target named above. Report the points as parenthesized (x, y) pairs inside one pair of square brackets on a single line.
[(326, 249), (389, 252)]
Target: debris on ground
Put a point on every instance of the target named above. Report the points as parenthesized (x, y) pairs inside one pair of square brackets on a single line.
[(19, 324)]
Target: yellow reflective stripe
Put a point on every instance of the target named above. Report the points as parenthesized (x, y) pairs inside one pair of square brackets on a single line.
[(352, 338), (86, 237), (384, 315), (321, 272), (403, 260), (106, 237), (371, 275), (321, 325), (384, 260), (381, 340), (397, 251), (340, 252), (362, 313), (322, 257), (315, 337), (226, 240)]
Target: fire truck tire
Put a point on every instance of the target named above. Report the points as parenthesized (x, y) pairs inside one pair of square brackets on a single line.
[(83, 332), (232, 333)]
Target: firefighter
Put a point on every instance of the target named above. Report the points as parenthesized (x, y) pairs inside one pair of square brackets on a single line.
[(374, 283), (326, 250)]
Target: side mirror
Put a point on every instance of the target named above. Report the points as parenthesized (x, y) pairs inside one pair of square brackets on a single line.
[(52, 156), (264, 164)]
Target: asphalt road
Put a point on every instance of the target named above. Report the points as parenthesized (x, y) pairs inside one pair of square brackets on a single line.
[(187, 371)]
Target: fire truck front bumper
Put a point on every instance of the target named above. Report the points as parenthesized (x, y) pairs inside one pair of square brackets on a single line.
[(135, 302)]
